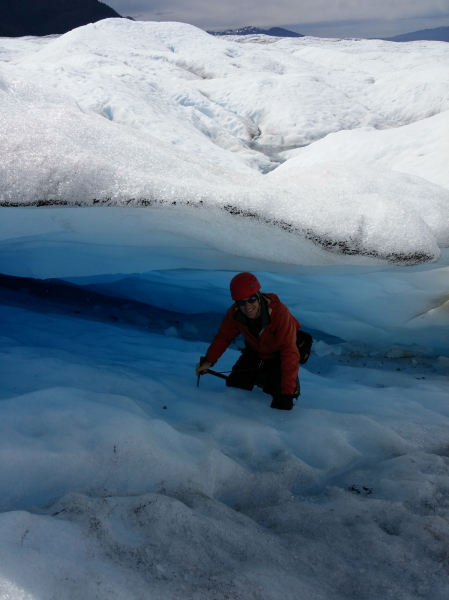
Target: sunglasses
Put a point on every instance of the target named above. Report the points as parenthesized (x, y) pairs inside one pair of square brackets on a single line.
[(250, 300)]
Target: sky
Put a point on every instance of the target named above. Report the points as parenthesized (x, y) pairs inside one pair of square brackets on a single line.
[(323, 18)]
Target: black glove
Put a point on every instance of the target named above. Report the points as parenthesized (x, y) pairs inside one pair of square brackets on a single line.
[(282, 402)]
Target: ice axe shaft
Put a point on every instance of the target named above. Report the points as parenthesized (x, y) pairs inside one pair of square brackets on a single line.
[(202, 359), (215, 373), (220, 375)]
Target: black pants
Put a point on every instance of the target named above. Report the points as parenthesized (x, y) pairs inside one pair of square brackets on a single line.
[(250, 370)]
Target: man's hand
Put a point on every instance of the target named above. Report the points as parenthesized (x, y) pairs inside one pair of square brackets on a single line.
[(201, 368)]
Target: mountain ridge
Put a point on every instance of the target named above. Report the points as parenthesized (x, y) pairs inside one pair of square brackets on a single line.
[(440, 34), (250, 30), (47, 17), (437, 34)]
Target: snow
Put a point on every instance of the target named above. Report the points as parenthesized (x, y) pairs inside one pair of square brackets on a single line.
[(115, 463), (154, 113), (142, 165), (421, 148)]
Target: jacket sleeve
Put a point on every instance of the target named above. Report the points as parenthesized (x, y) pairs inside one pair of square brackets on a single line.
[(286, 336), (227, 333)]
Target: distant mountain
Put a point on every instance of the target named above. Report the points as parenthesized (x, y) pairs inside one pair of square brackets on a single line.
[(274, 31), (439, 34), (46, 17)]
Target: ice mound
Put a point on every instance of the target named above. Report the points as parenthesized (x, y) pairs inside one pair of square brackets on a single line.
[(421, 148), (230, 101), (366, 200), (402, 83), (322, 349), (54, 153), (138, 74), (164, 115)]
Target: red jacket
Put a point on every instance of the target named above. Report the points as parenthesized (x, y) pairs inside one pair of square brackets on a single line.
[(278, 335)]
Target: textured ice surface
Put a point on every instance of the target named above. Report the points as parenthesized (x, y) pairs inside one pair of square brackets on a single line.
[(162, 113), (199, 92), (121, 479), (134, 253), (364, 199), (52, 152), (421, 149)]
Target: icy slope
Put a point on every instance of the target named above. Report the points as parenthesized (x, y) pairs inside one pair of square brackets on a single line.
[(172, 118), (121, 479), (54, 153), (204, 94), (134, 254), (401, 84), (421, 149)]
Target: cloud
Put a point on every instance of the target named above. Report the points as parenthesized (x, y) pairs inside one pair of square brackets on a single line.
[(215, 14)]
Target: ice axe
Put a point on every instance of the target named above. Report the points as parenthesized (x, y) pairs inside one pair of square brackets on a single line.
[(220, 375)]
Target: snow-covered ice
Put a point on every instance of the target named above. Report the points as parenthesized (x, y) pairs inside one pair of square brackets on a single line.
[(121, 479), (421, 148), (176, 159), (115, 113)]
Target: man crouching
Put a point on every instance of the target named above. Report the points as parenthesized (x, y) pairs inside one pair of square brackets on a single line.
[(270, 358)]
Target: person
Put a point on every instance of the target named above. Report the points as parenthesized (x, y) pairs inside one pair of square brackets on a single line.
[(271, 357)]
